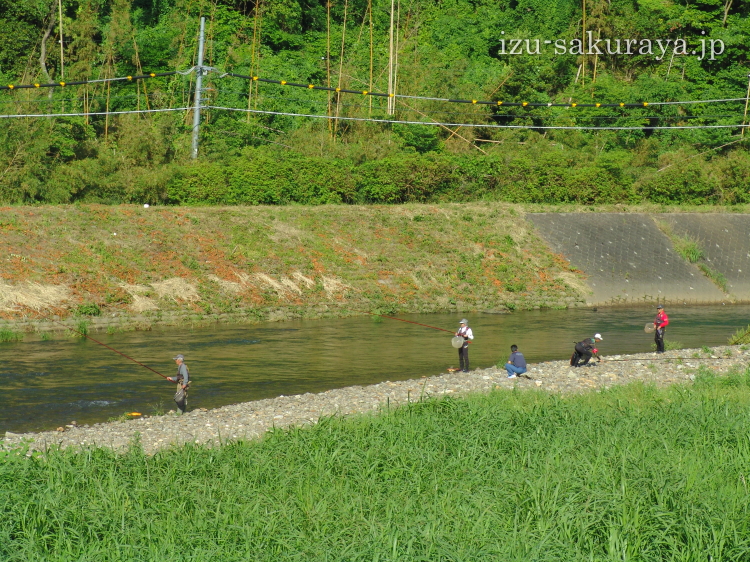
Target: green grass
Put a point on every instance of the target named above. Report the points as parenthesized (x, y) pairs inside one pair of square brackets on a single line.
[(632, 473), (669, 345), (716, 277), (381, 255), (8, 335), (741, 336)]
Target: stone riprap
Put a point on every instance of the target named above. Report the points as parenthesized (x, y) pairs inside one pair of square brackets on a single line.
[(725, 242), (626, 258), (251, 420)]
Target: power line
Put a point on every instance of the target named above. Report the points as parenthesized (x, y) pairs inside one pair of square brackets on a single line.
[(377, 120), (82, 82), (92, 113), (476, 125), (470, 101)]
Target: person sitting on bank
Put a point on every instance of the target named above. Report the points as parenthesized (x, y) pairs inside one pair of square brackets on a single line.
[(585, 350), (516, 364), (660, 323), (463, 352)]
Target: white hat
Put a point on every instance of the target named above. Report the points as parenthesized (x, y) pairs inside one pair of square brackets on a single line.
[(597, 336), (464, 321)]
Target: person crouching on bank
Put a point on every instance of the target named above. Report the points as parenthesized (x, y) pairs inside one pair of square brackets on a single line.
[(516, 364)]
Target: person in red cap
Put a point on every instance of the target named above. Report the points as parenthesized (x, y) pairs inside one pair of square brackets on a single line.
[(660, 323)]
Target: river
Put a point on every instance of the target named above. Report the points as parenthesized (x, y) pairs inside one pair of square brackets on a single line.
[(46, 384)]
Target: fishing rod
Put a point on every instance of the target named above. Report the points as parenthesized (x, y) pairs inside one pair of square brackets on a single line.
[(113, 349), (408, 321), (681, 358)]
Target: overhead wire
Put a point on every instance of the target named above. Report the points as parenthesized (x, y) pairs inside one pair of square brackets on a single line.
[(480, 125), (91, 113), (63, 84), (497, 103), (493, 115)]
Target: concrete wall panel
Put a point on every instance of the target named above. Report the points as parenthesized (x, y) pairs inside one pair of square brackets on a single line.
[(626, 258), (725, 241)]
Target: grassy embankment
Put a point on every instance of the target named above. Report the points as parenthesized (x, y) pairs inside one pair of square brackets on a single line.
[(629, 473), (137, 266)]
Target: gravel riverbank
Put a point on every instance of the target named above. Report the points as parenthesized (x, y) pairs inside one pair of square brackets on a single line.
[(250, 420)]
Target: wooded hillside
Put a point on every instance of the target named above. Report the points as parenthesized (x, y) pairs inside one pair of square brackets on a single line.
[(357, 150)]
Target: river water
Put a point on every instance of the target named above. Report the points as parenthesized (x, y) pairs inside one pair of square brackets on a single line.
[(45, 384)]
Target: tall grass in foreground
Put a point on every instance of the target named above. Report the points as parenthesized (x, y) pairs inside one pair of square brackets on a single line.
[(633, 473)]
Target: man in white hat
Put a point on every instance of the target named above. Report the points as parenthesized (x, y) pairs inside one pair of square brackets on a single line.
[(463, 352), (585, 350)]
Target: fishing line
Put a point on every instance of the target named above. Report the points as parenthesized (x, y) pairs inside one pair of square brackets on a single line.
[(408, 321), (679, 358), (113, 349)]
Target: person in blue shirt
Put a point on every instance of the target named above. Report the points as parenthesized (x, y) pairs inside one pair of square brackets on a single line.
[(516, 364)]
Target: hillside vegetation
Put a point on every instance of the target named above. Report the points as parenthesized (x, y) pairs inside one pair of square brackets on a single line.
[(256, 263), (443, 49)]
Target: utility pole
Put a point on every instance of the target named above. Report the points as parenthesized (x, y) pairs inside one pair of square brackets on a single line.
[(62, 58), (390, 104), (747, 100), (198, 87)]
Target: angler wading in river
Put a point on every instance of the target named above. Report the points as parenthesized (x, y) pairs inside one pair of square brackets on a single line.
[(463, 352), (182, 378), (660, 323)]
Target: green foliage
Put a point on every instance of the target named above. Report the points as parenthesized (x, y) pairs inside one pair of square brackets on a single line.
[(88, 309), (82, 329), (689, 249), (741, 336), (8, 335), (422, 138), (717, 277), (450, 49), (669, 345)]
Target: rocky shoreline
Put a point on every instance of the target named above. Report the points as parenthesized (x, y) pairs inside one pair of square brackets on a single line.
[(250, 420)]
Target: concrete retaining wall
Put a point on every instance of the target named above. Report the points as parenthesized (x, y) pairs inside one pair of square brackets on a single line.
[(628, 258), (725, 241)]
